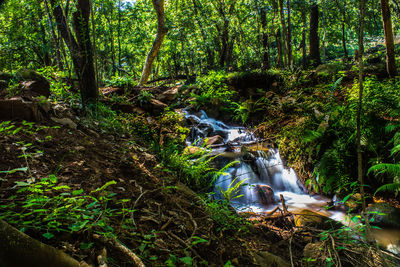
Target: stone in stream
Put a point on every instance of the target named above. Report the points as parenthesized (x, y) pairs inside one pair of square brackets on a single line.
[(214, 140), (265, 193), (384, 215), (310, 218)]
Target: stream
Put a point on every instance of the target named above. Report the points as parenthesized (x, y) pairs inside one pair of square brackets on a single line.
[(262, 176)]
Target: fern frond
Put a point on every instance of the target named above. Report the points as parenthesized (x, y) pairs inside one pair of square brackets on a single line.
[(385, 168), (394, 187), (395, 150)]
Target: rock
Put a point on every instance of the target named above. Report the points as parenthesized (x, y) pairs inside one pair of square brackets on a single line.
[(265, 193), (214, 140), (5, 76), (265, 258), (3, 84), (35, 88), (310, 218), (375, 49), (17, 108), (33, 84), (313, 251), (354, 202), (384, 215), (66, 122), (190, 150), (170, 94), (154, 106)]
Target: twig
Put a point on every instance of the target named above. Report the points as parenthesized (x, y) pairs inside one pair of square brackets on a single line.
[(123, 249), (191, 218), (283, 204), (185, 244), (290, 250)]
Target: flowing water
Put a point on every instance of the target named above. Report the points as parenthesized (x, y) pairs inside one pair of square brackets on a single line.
[(262, 176)]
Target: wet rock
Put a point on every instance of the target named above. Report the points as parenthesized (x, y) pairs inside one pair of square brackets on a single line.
[(265, 193), (191, 150), (224, 134), (265, 258), (384, 215), (214, 140), (310, 218)]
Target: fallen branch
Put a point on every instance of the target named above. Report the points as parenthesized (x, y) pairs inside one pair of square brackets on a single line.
[(120, 247)]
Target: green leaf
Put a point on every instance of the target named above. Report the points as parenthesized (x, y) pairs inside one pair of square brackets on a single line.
[(186, 260), (24, 169), (77, 192), (53, 178), (198, 240), (48, 235)]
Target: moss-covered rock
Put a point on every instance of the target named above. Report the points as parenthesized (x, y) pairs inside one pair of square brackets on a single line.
[(384, 215)]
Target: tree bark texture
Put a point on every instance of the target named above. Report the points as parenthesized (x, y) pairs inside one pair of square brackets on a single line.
[(54, 37), (304, 39), (161, 32), (389, 41), (289, 36), (314, 38), (18, 249), (264, 27), (80, 48), (284, 33)]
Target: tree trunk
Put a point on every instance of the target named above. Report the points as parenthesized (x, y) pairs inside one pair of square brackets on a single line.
[(387, 25), (303, 39), (284, 33), (264, 27), (54, 37), (80, 49), (289, 36), (324, 31), (359, 112), (314, 38), (161, 32), (279, 48), (18, 249)]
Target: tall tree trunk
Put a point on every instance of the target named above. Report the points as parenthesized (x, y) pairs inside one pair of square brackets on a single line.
[(54, 37), (314, 38), (45, 51), (359, 112), (209, 51), (275, 33), (279, 49), (304, 37), (284, 33), (264, 28), (119, 35), (289, 36), (80, 48), (387, 25), (161, 32), (324, 33)]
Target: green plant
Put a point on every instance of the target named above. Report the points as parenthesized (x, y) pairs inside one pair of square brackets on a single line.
[(232, 192), (48, 207), (144, 97)]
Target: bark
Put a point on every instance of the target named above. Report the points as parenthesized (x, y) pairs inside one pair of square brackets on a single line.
[(44, 53), (80, 48), (359, 112), (284, 34), (289, 36), (264, 27), (161, 32), (314, 38), (387, 25), (324, 31), (303, 39), (119, 34), (54, 37), (18, 249), (279, 48), (209, 51)]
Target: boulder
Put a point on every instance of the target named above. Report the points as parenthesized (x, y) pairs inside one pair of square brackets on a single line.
[(382, 214), (170, 94), (35, 88), (3, 84), (154, 106), (214, 140), (190, 150), (264, 258), (265, 194), (310, 218)]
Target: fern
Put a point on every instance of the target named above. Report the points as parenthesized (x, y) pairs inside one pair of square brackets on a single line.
[(394, 187), (385, 168)]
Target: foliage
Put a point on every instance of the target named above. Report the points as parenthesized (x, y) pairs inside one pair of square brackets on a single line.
[(232, 192), (49, 207)]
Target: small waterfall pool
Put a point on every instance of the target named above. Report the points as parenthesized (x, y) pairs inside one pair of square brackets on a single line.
[(261, 174)]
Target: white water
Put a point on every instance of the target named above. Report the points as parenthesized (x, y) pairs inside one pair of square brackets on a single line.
[(266, 168)]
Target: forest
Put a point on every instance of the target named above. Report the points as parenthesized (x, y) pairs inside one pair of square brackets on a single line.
[(199, 133)]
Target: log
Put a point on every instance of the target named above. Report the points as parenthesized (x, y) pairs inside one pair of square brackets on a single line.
[(18, 249)]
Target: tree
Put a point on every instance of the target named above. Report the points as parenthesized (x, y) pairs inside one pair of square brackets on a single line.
[(80, 48), (161, 32), (387, 26), (314, 38), (263, 18)]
